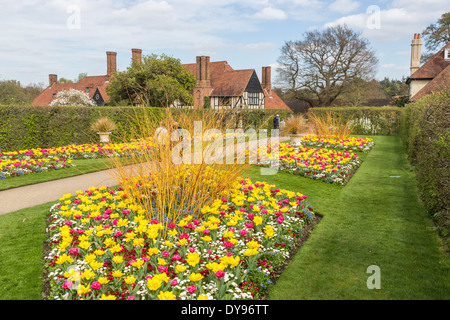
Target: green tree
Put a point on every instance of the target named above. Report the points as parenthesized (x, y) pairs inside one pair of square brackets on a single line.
[(359, 92), (157, 81), (394, 87), (436, 35), (11, 92), (64, 80)]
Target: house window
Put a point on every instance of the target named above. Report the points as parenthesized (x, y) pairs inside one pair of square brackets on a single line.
[(87, 90), (447, 54), (253, 98)]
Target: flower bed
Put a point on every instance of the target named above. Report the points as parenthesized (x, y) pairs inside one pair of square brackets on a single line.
[(330, 166), (101, 246), (19, 163), (16, 167), (350, 143)]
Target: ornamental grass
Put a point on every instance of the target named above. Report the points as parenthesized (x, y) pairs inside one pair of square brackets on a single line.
[(186, 168), (328, 125)]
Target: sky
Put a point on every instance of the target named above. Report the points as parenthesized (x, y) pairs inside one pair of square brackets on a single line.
[(69, 37)]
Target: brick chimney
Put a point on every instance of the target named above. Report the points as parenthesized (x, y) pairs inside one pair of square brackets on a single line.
[(136, 55), (266, 78), (203, 87), (203, 72), (111, 63), (52, 79), (416, 46)]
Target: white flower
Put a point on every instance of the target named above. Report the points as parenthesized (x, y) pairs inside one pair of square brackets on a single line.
[(72, 97)]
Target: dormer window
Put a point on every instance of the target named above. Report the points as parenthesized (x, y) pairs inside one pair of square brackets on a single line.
[(447, 54)]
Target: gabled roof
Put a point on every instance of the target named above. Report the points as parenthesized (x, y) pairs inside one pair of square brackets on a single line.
[(273, 101), (435, 84), (92, 82), (230, 83), (225, 81), (432, 67)]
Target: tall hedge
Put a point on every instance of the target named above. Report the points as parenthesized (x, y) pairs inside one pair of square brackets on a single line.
[(425, 131), (367, 120), (26, 127)]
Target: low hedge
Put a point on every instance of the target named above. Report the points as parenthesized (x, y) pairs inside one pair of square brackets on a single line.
[(367, 120), (27, 127)]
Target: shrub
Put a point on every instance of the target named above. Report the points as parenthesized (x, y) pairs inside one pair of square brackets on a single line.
[(27, 127), (72, 97), (425, 132), (365, 120)]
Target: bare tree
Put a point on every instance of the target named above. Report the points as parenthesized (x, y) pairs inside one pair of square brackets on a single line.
[(318, 68)]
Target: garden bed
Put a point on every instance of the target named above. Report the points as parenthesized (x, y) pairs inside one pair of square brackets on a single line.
[(334, 142), (327, 165), (24, 162), (101, 246)]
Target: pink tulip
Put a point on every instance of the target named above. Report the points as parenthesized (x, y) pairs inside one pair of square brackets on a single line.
[(220, 274), (68, 284), (96, 285), (191, 289)]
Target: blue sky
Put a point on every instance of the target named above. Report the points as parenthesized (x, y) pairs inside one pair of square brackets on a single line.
[(68, 37)]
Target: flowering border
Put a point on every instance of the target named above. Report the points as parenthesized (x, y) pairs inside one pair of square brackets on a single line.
[(102, 247), (349, 143)]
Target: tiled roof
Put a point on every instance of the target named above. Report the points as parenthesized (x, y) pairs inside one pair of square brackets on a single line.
[(432, 67), (230, 83), (91, 82), (225, 81), (442, 78), (273, 101), (215, 67)]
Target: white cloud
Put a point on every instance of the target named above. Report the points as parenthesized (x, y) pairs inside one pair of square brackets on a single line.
[(400, 21), (270, 13), (344, 6)]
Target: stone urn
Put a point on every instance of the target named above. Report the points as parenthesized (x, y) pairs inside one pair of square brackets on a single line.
[(104, 136), (296, 139)]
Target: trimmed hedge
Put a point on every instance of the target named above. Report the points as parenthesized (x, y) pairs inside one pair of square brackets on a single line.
[(367, 120), (27, 127), (425, 131)]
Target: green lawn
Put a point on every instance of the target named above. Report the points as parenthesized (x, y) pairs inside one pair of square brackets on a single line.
[(375, 220)]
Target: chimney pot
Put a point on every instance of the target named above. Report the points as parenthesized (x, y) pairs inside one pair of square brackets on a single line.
[(416, 46)]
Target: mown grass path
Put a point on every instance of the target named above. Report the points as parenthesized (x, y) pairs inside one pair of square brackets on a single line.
[(376, 219)]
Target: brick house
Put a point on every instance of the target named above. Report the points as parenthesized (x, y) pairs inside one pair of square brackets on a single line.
[(229, 88), (94, 86), (431, 75), (218, 81)]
